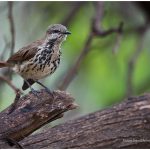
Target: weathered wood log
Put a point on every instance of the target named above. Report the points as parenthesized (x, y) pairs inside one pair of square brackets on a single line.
[(31, 113), (126, 125)]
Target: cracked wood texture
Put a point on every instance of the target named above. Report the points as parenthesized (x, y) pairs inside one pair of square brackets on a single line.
[(126, 125), (31, 113)]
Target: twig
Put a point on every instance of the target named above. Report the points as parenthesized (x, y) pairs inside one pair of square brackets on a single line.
[(17, 91), (10, 84), (96, 31), (101, 33), (6, 47), (12, 28), (117, 43), (9, 44), (97, 20), (132, 62)]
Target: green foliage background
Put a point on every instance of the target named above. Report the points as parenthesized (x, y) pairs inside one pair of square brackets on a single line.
[(102, 78)]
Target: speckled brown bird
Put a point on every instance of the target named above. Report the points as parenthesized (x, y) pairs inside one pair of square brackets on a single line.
[(39, 59)]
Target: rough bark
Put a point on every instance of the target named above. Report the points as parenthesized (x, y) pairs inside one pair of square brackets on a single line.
[(31, 113), (126, 125)]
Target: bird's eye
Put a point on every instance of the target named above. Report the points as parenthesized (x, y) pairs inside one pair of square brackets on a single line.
[(56, 31)]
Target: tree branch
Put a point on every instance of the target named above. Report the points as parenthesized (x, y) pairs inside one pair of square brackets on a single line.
[(31, 113), (6, 47), (16, 90), (132, 61), (96, 31), (126, 125), (97, 20), (12, 30)]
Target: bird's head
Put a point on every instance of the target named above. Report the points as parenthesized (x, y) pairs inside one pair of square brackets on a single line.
[(57, 32)]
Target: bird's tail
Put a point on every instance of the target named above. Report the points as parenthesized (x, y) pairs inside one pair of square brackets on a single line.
[(4, 64)]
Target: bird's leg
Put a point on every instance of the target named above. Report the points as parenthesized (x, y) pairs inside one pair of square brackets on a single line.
[(32, 90), (48, 90)]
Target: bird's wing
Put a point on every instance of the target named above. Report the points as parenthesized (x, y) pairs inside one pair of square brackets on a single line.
[(25, 53)]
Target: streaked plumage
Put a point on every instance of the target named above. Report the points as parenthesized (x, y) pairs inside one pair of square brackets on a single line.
[(39, 59)]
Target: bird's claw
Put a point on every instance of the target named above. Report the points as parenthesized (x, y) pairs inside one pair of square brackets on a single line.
[(49, 92), (35, 92)]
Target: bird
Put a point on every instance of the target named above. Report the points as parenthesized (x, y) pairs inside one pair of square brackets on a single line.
[(40, 58)]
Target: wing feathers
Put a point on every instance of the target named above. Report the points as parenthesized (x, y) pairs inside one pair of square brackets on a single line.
[(25, 53)]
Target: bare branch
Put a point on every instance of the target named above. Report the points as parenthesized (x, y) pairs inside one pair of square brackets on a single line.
[(132, 62), (101, 33), (8, 72), (12, 29), (95, 31), (17, 91), (117, 43), (10, 84), (6, 47), (97, 20), (99, 12)]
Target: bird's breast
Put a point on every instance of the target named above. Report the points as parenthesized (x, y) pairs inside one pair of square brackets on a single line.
[(39, 66)]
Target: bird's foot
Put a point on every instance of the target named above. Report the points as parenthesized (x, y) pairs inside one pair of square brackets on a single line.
[(49, 92), (47, 89), (35, 92)]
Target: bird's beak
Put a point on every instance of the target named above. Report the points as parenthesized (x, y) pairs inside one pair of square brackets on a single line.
[(67, 32)]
